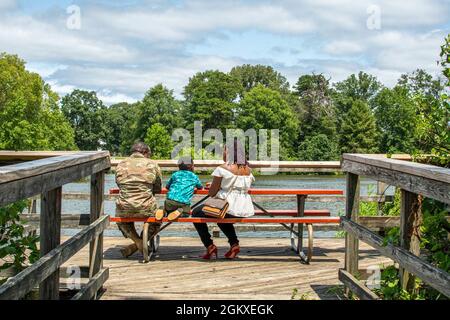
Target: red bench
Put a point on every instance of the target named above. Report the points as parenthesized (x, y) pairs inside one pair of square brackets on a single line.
[(287, 218)]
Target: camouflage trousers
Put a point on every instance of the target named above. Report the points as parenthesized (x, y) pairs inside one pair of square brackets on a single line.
[(128, 229)]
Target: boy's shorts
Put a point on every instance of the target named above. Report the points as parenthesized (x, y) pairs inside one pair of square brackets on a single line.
[(172, 205)]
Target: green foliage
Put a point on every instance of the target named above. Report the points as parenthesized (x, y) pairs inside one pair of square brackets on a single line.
[(390, 287), (396, 118), (361, 87), (158, 106), (393, 208), (419, 82), (434, 233), (445, 59), (30, 118), (16, 248), (198, 154), (210, 97), (318, 148), (86, 114), (159, 141), (358, 132), (368, 208), (315, 110), (249, 76), (120, 123), (263, 108)]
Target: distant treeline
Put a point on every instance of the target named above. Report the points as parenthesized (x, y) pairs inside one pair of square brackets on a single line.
[(317, 120)]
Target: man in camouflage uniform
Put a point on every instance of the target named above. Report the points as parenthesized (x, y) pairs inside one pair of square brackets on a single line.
[(138, 178)]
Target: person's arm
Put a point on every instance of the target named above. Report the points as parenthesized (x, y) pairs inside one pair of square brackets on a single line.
[(157, 185), (198, 184), (215, 186), (169, 183)]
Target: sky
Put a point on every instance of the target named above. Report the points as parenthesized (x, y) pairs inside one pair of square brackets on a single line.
[(121, 48)]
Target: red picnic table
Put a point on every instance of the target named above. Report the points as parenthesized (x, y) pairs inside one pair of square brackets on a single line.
[(298, 217)]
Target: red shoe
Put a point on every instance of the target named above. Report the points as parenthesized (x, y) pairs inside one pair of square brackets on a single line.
[(211, 252), (233, 252)]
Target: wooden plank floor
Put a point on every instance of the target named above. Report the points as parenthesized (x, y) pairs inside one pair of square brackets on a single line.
[(266, 269)]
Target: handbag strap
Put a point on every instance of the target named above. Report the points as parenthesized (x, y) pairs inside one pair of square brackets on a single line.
[(231, 187)]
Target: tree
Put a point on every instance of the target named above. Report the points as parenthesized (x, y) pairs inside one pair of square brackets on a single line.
[(419, 82), (30, 118), (318, 148), (396, 119), (358, 132), (249, 76), (85, 113), (316, 111), (362, 87), (264, 108), (158, 106), (120, 124), (159, 141), (210, 97)]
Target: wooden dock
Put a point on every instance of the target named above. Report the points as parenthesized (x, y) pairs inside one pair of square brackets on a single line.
[(266, 269)]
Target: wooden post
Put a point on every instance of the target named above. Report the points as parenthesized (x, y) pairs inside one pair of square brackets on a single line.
[(351, 212), (410, 221), (97, 198), (50, 238), (301, 199), (381, 189)]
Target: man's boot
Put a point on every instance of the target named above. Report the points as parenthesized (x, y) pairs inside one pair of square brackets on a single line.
[(129, 231)]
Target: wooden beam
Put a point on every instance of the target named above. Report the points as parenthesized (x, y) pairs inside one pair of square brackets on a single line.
[(412, 168), (22, 283), (379, 222), (358, 288), (39, 167), (50, 238), (431, 275), (93, 286), (415, 182), (352, 212), (27, 187), (410, 221), (96, 211), (67, 220)]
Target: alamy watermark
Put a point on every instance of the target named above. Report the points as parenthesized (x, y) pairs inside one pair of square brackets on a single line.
[(73, 277), (262, 144), (373, 21), (73, 21)]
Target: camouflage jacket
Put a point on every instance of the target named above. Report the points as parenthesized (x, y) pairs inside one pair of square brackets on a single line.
[(138, 178)]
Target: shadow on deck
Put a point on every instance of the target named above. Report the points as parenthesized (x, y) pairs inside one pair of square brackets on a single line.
[(266, 269)]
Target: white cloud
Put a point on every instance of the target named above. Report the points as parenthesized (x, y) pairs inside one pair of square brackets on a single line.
[(43, 41), (122, 50), (407, 52), (8, 4), (343, 47)]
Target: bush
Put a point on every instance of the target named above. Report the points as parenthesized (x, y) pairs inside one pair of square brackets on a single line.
[(17, 249)]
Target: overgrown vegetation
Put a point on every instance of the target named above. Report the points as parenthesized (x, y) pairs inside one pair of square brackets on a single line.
[(17, 247)]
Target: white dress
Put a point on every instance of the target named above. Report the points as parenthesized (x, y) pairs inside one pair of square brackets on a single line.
[(240, 202)]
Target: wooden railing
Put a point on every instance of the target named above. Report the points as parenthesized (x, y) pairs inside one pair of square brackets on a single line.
[(11, 157), (46, 177), (413, 179)]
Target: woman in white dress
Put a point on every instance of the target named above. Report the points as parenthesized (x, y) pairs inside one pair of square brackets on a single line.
[(236, 175)]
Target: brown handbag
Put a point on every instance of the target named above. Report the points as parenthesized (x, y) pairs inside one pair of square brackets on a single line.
[(217, 207)]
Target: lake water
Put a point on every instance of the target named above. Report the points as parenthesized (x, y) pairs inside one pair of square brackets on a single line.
[(368, 187)]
